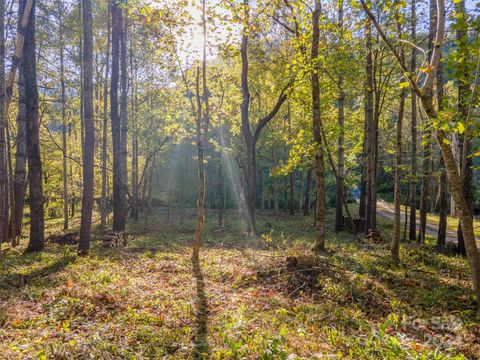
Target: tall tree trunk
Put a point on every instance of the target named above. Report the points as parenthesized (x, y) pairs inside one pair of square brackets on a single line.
[(317, 128), (149, 191), (37, 227), (10, 192), (123, 108), (299, 204), (292, 174), (261, 204), (202, 120), (89, 151), (275, 187), (427, 141), (201, 138), (103, 201), (370, 134), (64, 125), (413, 171), (427, 153), (362, 206), (247, 133), (20, 176), (443, 188), (306, 208), (221, 183), (340, 191), (465, 141), (135, 192), (443, 203), (118, 188), (250, 137), (80, 55), (395, 250), (292, 193), (3, 157)]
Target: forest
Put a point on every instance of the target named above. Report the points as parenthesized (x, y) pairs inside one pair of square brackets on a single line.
[(239, 179)]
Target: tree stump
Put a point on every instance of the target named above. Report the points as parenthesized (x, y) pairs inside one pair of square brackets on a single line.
[(358, 225), (374, 236)]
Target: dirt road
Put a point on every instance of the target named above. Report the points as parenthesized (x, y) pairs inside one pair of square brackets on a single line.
[(387, 211)]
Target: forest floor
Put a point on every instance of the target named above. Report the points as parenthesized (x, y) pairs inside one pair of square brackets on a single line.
[(147, 300)]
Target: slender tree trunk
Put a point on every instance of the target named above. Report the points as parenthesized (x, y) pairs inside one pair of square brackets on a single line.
[(292, 193), (413, 172), (443, 187), (202, 121), (3, 157), (64, 126), (370, 134), (247, 133), (292, 174), (103, 201), (118, 188), (80, 55), (149, 191), (340, 190), (427, 141), (10, 200), (275, 187), (89, 151), (433, 184), (317, 127), (465, 142), (306, 208), (20, 176), (123, 109), (221, 184), (427, 153), (300, 192), (135, 192), (37, 227), (443, 206), (395, 250), (201, 173), (362, 206)]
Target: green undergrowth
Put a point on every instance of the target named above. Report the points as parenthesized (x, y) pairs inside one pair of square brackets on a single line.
[(147, 301)]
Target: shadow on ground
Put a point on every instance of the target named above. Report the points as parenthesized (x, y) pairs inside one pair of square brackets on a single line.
[(201, 348)]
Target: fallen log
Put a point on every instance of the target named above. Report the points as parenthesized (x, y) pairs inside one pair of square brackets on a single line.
[(70, 238), (302, 261)]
